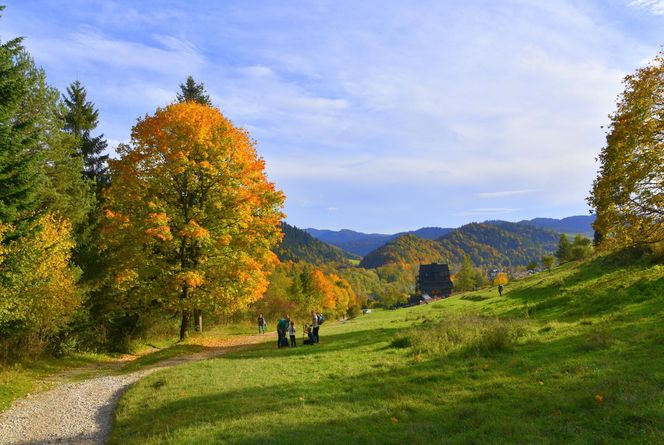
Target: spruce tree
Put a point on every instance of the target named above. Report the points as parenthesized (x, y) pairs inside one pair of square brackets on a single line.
[(21, 169), (190, 90), (81, 118)]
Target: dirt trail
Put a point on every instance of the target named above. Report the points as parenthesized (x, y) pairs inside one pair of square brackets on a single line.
[(82, 413)]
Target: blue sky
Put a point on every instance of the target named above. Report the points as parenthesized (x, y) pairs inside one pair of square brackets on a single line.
[(377, 116)]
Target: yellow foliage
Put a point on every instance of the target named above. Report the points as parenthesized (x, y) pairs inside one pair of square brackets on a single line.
[(41, 293), (500, 278)]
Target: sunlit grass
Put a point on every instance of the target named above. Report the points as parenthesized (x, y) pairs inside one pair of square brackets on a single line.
[(564, 357)]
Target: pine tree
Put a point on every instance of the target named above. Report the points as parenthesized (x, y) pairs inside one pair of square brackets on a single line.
[(190, 90), (81, 119)]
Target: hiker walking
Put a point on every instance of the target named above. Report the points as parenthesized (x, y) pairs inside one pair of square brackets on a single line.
[(292, 332), (261, 324), (315, 325)]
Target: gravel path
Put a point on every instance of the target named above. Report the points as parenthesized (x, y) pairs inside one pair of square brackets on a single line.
[(82, 413)]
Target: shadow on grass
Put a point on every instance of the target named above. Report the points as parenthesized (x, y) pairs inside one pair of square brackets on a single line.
[(329, 343)]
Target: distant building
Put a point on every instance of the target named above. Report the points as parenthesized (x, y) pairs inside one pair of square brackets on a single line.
[(434, 281)]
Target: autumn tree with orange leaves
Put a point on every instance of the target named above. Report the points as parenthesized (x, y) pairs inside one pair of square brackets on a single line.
[(191, 218)]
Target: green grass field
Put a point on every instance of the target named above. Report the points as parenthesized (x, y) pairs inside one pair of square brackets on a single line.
[(571, 356)]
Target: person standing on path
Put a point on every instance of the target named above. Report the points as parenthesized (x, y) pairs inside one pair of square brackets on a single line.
[(292, 332), (282, 327), (314, 324), (261, 324)]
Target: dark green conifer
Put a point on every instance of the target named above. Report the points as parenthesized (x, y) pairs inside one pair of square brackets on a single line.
[(81, 118), (21, 169), (190, 90)]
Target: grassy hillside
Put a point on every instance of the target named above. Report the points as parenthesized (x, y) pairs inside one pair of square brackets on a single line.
[(572, 356)]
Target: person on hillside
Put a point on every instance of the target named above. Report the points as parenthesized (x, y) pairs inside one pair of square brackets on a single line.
[(310, 340), (282, 327), (292, 332), (314, 325), (261, 324), (500, 290)]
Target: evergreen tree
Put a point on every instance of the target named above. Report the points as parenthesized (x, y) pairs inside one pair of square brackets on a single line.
[(190, 90), (21, 169), (81, 118)]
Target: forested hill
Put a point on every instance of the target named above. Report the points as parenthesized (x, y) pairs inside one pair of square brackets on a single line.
[(298, 245), (496, 244), (406, 249), (499, 243)]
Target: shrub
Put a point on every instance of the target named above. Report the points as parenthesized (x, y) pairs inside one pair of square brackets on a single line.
[(468, 335), (401, 343)]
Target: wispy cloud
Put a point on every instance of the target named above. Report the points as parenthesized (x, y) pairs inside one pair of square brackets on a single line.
[(653, 6), (504, 194), (163, 54)]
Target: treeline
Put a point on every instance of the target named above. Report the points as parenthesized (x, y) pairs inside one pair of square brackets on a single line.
[(52, 171)]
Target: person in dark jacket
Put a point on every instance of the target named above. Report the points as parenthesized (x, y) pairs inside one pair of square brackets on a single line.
[(282, 328)]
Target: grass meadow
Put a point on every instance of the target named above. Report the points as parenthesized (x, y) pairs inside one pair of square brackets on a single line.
[(575, 355)]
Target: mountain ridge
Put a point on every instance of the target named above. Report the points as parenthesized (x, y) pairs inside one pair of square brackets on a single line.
[(362, 244)]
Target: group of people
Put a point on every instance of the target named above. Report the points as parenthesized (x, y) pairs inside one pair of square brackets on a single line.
[(286, 330)]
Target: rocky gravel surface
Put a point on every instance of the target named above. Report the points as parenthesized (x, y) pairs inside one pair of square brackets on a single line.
[(80, 413)]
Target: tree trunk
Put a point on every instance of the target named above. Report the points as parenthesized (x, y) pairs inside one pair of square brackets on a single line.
[(184, 327), (185, 313), (198, 320)]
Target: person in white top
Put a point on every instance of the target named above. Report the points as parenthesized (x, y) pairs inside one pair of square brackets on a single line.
[(315, 325), (291, 331)]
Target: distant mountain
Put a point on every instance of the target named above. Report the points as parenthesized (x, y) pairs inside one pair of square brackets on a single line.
[(572, 224), (496, 244), (362, 243), (355, 242), (431, 233), (298, 245)]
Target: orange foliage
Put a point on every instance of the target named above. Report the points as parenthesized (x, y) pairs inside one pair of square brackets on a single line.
[(211, 213)]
